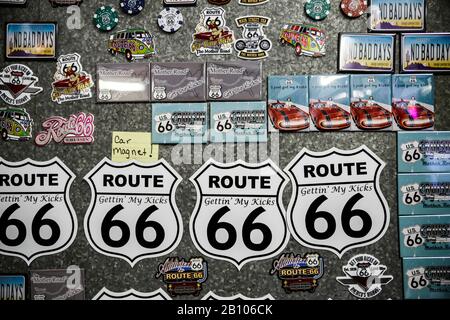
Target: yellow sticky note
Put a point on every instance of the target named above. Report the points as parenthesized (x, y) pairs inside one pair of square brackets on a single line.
[(127, 146)]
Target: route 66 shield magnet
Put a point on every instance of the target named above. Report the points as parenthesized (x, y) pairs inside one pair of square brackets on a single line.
[(254, 44)]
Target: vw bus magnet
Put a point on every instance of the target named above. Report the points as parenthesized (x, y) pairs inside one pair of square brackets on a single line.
[(212, 36), (183, 277), (366, 53), (71, 82), (254, 44), (425, 53), (15, 124), (76, 129), (31, 41), (397, 15), (18, 84), (123, 82), (135, 44), (307, 40), (252, 2)]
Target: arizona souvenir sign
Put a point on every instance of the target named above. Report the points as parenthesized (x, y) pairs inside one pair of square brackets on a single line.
[(131, 294), (337, 204), (133, 214), (76, 129), (298, 273), (364, 276), (211, 296), (26, 40), (13, 287), (18, 84), (239, 216), (71, 82), (15, 124), (254, 44), (425, 52), (397, 15), (252, 2), (37, 218), (183, 277), (212, 36)]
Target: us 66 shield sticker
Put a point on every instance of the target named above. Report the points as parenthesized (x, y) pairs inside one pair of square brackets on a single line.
[(337, 203), (36, 216), (132, 214), (239, 215)]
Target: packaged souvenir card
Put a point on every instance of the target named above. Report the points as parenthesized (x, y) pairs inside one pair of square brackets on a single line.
[(288, 103)]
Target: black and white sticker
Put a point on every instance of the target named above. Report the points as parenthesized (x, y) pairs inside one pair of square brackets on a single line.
[(239, 216), (337, 204), (133, 214), (212, 296), (36, 216), (105, 294)]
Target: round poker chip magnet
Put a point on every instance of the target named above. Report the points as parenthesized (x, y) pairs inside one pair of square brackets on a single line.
[(106, 18), (354, 8), (317, 9), (132, 7), (170, 20)]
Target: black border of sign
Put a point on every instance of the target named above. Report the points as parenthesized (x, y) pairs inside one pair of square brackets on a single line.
[(13, 5), (369, 13), (26, 283), (403, 71), (33, 58), (394, 53), (180, 5)]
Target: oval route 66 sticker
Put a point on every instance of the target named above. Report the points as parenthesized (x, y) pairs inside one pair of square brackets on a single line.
[(239, 215), (337, 204), (36, 216), (132, 214)]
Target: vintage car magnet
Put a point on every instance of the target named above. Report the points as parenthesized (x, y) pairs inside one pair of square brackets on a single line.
[(252, 2), (426, 278), (211, 296), (76, 129), (246, 196), (238, 121), (425, 53), (423, 193), (364, 276), (174, 123), (123, 82), (31, 40), (288, 103), (424, 235), (58, 284), (131, 294), (297, 272), (371, 102), (71, 82), (35, 199), (413, 102), (397, 15), (65, 3), (15, 124), (254, 44), (18, 84), (366, 53), (212, 36), (183, 277), (332, 188), (176, 3), (307, 40), (137, 199), (234, 81), (178, 82), (329, 102), (13, 287), (427, 151), (135, 44)]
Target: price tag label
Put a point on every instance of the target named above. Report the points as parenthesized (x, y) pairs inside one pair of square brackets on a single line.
[(36, 216), (133, 214), (239, 215), (337, 202)]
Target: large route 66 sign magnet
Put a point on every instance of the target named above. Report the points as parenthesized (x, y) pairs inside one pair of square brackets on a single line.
[(133, 214), (36, 216), (337, 204), (239, 215)]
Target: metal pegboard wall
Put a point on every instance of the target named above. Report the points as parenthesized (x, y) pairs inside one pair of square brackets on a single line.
[(224, 279)]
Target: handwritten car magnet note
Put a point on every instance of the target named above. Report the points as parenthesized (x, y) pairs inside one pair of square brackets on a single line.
[(127, 146)]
